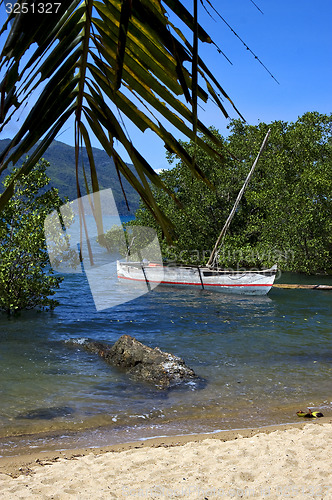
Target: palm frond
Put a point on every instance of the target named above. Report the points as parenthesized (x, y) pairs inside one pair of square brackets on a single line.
[(93, 59)]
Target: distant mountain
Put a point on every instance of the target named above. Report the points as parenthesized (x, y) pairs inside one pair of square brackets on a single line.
[(62, 173)]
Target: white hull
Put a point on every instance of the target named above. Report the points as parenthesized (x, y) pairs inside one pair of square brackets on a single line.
[(240, 282)]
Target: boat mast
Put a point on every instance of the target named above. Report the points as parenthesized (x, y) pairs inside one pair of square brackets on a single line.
[(213, 255)]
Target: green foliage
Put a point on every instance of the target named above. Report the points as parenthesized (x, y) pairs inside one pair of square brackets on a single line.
[(140, 242), (114, 240), (63, 176), (204, 210), (289, 203), (285, 215), (103, 63), (26, 279)]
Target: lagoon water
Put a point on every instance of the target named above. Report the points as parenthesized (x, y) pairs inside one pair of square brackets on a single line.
[(259, 359)]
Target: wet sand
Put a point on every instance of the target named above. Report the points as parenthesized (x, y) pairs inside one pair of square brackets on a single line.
[(288, 461)]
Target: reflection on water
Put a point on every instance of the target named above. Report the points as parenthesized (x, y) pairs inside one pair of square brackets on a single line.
[(262, 359)]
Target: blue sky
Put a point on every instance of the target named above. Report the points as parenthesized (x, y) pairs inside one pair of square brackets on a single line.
[(293, 39)]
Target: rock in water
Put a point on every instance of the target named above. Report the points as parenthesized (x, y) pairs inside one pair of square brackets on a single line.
[(140, 361)]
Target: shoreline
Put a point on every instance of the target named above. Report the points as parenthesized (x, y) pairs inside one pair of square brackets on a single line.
[(289, 462), (23, 464), (107, 433), (48, 436)]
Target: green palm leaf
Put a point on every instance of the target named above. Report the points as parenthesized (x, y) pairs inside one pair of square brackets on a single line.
[(94, 59)]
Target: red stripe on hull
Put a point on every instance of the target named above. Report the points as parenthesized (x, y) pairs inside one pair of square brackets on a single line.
[(195, 284)]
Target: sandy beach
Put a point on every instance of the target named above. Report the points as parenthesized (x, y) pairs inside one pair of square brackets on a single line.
[(292, 461)]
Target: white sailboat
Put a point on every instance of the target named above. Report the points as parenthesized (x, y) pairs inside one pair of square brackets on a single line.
[(206, 278), (209, 277)]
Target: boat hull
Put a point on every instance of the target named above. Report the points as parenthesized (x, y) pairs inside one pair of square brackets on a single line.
[(239, 282)]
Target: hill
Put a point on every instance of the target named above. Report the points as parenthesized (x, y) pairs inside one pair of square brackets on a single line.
[(61, 157)]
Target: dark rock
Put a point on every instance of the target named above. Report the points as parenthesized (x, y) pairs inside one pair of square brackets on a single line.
[(140, 361)]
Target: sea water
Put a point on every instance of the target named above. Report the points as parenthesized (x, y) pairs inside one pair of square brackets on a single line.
[(258, 361)]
